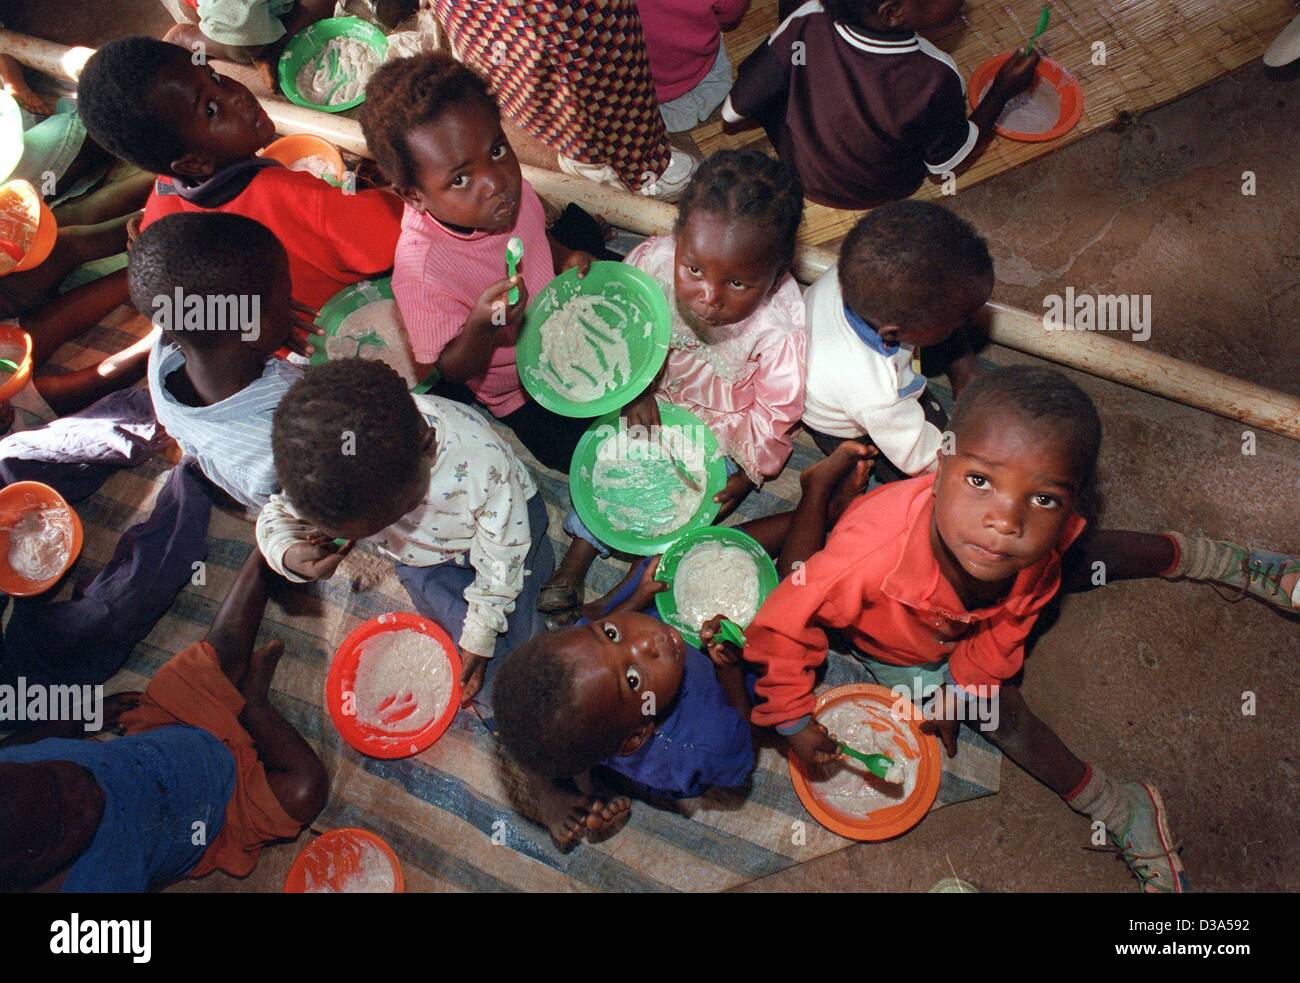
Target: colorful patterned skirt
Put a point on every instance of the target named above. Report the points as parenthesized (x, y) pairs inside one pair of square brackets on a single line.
[(574, 75)]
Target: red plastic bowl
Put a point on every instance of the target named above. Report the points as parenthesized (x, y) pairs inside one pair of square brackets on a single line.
[(342, 677), (891, 821), (316, 856), (15, 500), (1052, 72)]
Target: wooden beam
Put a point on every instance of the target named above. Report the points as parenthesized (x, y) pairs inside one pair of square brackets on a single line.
[(1125, 362)]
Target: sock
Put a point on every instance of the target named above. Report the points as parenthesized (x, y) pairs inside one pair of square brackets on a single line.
[(1099, 798), (1201, 558)]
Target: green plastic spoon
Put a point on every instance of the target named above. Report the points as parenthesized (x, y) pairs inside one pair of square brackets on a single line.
[(6, 364), (877, 764), (514, 254), (731, 632), (1043, 18)]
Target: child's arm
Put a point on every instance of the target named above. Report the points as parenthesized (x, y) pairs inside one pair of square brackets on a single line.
[(564, 258), (498, 551), (727, 666), (234, 630), (764, 77), (68, 315), (295, 549), (956, 141), (15, 83), (1013, 78), (492, 321)]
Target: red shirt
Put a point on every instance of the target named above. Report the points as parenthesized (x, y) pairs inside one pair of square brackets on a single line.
[(682, 38), (333, 239), (878, 581)]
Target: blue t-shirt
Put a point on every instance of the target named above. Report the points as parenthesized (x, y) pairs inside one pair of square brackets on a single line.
[(702, 740), (157, 784)]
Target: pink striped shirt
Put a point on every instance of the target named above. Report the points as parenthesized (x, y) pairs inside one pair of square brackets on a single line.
[(439, 275)]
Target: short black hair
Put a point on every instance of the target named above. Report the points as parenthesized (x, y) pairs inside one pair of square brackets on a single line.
[(851, 12), (751, 185), (113, 97), (1045, 397), (347, 441), (909, 262), (204, 254), (534, 700), (407, 93)]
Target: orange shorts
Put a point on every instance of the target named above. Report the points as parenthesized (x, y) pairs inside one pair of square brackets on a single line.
[(191, 689)]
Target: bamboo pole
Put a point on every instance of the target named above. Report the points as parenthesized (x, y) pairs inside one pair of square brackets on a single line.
[(1097, 354)]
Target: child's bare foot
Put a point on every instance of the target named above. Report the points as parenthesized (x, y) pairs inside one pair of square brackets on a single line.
[(605, 818), (564, 813), (844, 474)]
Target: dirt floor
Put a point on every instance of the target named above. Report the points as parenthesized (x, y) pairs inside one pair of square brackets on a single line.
[(1146, 680)]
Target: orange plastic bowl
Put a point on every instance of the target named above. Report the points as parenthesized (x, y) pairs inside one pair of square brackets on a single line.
[(11, 383), (16, 500), (288, 150), (890, 821), (317, 856), (343, 674), (1052, 72), (47, 230)]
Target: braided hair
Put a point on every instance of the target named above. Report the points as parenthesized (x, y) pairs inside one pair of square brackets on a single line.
[(749, 185)]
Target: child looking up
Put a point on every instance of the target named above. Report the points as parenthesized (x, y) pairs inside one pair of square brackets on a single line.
[(435, 130), (147, 102), (737, 352), (938, 581), (861, 105), (910, 275), (425, 479), (626, 692), (218, 286), (203, 745)]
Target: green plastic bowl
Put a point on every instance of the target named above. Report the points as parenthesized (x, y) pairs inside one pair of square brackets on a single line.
[(305, 45), (647, 531), (666, 601), (642, 302), (341, 306)]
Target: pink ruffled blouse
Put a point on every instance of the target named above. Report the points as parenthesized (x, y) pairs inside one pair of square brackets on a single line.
[(747, 384)]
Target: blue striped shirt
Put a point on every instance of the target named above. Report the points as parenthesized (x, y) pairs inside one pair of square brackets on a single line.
[(231, 439)]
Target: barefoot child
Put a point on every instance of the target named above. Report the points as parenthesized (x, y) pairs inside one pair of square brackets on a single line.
[(909, 277), (862, 106), (436, 132), (624, 691), (204, 750), (147, 102), (426, 480), (736, 356)]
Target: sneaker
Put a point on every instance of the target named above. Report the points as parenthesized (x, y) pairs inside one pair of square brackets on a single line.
[(1256, 572), (599, 173), (1147, 845), (669, 185)]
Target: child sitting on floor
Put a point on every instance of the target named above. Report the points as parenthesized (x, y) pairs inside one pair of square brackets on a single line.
[(425, 479), (861, 105), (938, 581), (247, 31), (688, 61), (207, 774), (218, 286), (736, 356), (147, 102), (910, 275), (435, 130), (626, 692)]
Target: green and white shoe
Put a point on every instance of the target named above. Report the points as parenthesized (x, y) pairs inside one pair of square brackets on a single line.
[(1146, 844), (1272, 577)]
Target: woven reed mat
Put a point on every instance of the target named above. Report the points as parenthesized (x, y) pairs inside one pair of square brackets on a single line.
[(1156, 51)]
